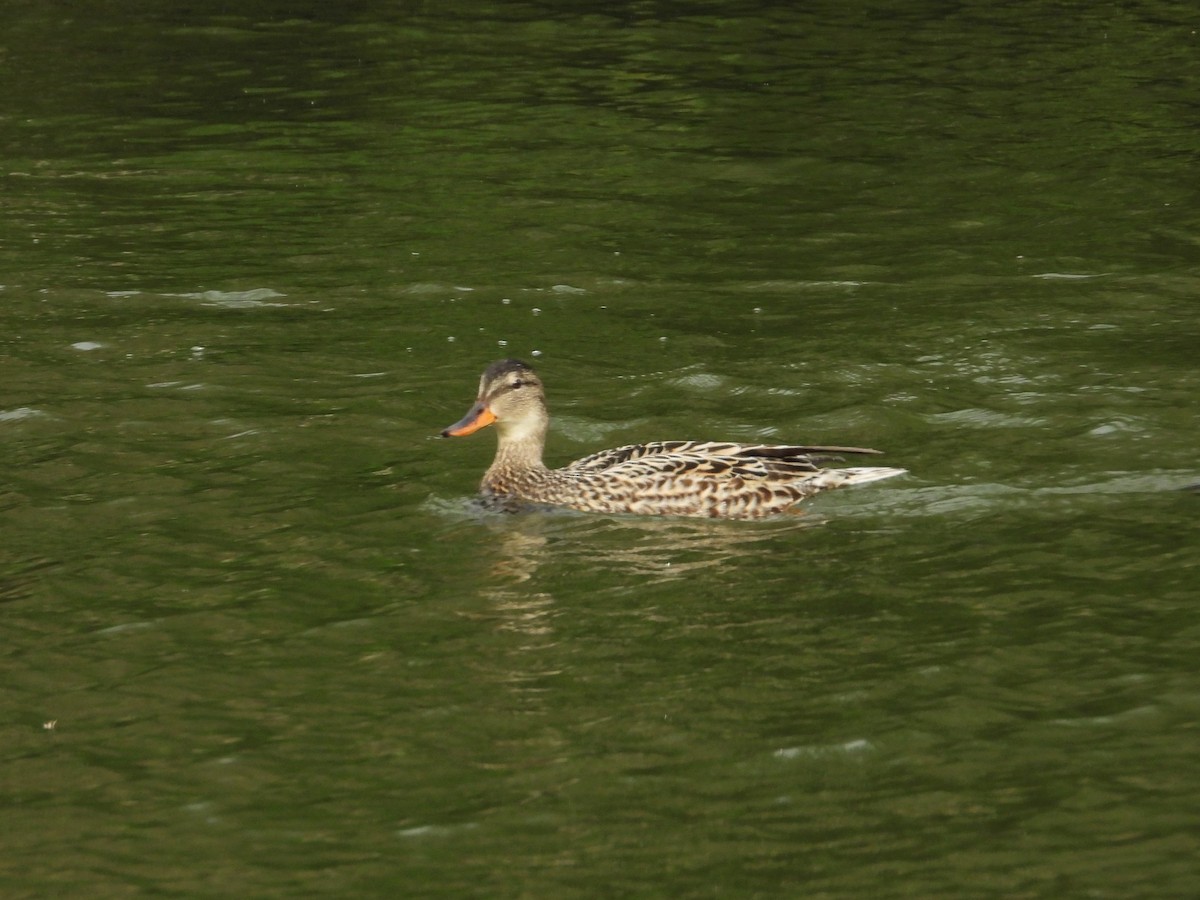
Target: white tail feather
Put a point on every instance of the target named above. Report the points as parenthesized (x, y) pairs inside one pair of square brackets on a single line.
[(836, 478)]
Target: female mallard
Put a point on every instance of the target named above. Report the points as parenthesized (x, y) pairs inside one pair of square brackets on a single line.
[(664, 478)]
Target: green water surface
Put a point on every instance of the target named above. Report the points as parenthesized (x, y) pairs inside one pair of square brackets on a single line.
[(260, 643)]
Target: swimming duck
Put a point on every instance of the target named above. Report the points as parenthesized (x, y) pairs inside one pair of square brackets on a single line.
[(664, 478)]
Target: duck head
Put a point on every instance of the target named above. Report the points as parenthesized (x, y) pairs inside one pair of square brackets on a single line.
[(510, 396)]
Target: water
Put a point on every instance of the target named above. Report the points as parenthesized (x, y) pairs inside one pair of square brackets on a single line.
[(258, 638)]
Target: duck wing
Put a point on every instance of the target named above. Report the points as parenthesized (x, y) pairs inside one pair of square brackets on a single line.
[(703, 478), (794, 457), (606, 459)]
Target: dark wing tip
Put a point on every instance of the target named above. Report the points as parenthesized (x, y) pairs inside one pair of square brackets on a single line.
[(786, 452)]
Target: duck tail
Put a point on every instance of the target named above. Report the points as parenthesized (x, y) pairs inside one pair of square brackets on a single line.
[(835, 478)]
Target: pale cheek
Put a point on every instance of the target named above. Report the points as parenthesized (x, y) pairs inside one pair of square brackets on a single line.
[(520, 431)]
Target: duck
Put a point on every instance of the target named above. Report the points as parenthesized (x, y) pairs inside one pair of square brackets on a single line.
[(704, 479)]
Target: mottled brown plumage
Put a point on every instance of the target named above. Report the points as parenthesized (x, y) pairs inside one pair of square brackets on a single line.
[(665, 478)]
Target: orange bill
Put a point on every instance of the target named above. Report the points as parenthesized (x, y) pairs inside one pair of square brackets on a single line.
[(479, 416)]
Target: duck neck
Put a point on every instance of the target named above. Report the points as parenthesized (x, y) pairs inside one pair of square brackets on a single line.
[(519, 456), (520, 447)]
